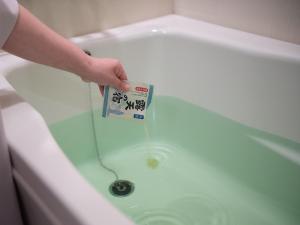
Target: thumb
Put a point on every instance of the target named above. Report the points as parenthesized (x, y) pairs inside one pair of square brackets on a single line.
[(121, 84)]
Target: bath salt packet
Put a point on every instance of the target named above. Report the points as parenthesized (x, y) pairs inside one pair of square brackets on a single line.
[(127, 105)]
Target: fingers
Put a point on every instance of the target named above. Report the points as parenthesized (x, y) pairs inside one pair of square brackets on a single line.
[(120, 84), (120, 72), (111, 73), (125, 86), (121, 78), (101, 88)]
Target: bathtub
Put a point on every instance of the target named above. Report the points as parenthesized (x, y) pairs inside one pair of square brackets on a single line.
[(220, 144)]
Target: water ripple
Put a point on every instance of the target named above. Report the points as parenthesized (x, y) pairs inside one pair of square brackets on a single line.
[(189, 210)]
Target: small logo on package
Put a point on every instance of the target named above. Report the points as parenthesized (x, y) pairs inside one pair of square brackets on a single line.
[(127, 105)]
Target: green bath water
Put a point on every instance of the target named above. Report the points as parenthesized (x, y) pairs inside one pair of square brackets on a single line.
[(189, 166)]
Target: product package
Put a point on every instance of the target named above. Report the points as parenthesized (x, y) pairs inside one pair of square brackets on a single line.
[(127, 105)]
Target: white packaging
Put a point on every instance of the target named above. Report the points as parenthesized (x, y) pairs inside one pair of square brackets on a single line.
[(127, 105)]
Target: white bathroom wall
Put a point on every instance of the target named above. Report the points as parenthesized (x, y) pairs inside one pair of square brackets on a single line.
[(76, 17), (279, 19)]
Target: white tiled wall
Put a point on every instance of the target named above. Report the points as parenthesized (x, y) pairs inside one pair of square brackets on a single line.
[(279, 19), (75, 17)]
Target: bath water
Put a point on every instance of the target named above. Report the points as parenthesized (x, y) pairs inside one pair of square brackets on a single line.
[(189, 166)]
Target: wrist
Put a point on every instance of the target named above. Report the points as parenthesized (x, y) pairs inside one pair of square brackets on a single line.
[(83, 67)]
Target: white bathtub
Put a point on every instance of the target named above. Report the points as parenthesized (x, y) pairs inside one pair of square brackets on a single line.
[(248, 78)]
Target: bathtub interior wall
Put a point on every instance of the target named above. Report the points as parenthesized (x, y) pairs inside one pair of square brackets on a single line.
[(257, 89), (223, 77), (220, 77)]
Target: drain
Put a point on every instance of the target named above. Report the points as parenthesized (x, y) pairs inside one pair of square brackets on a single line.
[(121, 188)]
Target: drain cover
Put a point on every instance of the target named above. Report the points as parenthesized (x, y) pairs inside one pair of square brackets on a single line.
[(121, 188)]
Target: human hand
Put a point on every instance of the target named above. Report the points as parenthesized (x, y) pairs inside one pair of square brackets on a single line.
[(106, 71)]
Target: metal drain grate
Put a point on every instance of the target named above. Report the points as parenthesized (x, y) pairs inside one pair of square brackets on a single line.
[(121, 188)]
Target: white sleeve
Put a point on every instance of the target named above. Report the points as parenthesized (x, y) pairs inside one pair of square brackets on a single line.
[(9, 10)]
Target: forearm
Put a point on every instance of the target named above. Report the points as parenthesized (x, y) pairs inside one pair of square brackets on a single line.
[(32, 40)]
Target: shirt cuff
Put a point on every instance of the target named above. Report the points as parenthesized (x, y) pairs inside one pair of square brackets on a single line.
[(9, 11)]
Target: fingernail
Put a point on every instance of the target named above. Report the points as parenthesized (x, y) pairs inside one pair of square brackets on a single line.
[(126, 86)]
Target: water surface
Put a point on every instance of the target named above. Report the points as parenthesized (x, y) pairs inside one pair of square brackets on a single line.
[(190, 166)]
